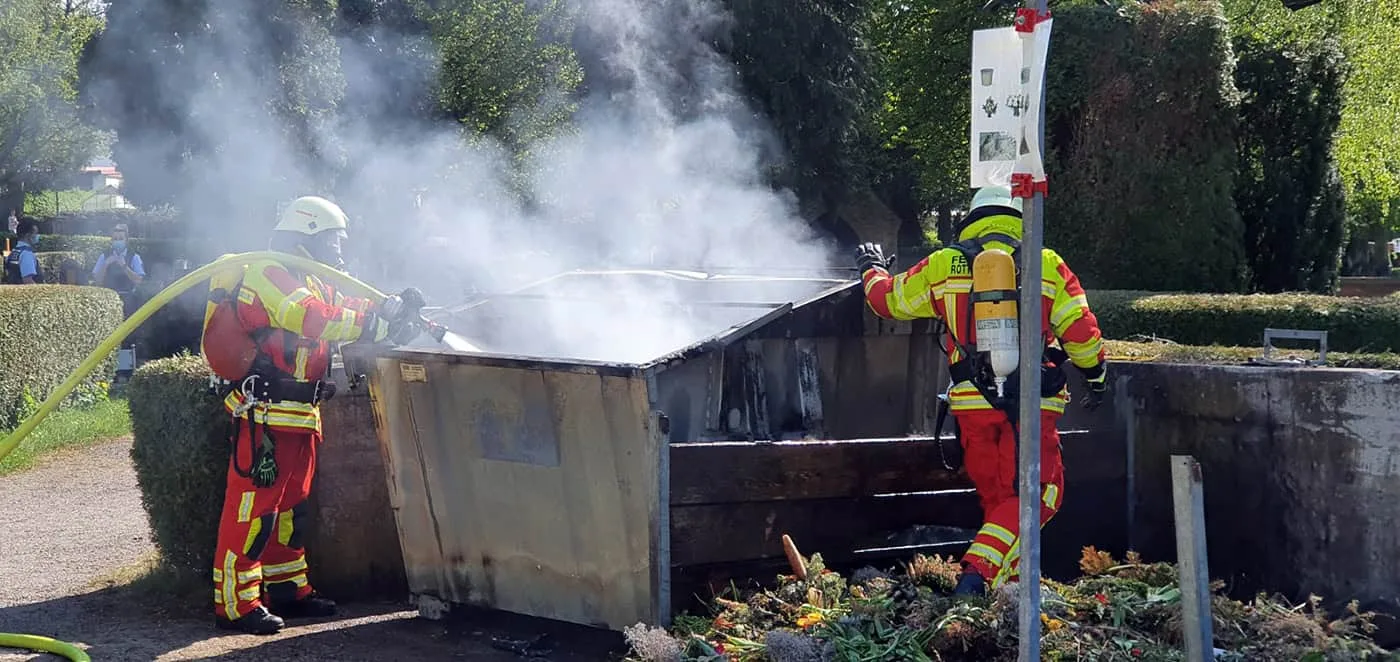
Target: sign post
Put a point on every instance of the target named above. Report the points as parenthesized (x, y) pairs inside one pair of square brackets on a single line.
[(1008, 129)]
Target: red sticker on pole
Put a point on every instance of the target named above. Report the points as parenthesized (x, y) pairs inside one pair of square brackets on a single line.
[(1023, 185)]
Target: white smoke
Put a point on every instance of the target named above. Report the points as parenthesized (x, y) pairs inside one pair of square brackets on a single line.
[(667, 173)]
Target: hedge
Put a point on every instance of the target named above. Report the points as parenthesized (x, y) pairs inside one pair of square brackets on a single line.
[(1141, 112), (141, 222), (46, 332), (51, 263), (180, 453), (1353, 324), (152, 251)]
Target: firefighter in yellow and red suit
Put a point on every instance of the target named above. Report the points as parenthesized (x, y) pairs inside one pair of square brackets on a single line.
[(286, 322), (940, 286)]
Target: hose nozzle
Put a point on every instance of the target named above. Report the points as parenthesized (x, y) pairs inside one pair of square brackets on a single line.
[(437, 331)]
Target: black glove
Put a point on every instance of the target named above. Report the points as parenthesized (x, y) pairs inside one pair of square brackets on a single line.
[(1097, 379), (405, 305), (869, 255), (403, 331)]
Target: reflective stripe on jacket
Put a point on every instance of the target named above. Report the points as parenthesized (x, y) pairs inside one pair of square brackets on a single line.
[(312, 317), (940, 285)]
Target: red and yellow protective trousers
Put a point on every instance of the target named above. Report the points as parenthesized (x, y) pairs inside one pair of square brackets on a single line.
[(990, 456), (939, 287), (260, 545), (260, 530)]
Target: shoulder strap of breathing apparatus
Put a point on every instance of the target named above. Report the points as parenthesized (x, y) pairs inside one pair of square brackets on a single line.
[(972, 367)]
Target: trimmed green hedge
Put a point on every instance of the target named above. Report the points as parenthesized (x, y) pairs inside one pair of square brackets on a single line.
[(1353, 324), (46, 332), (152, 251), (51, 263), (180, 453)]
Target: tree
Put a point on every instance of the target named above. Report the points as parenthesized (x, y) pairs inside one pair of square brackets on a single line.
[(1288, 190), (43, 138), (220, 108), (925, 49), (806, 66), (1367, 144)]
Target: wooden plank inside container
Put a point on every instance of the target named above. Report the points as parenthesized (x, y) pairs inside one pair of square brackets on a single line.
[(731, 472), (749, 531)]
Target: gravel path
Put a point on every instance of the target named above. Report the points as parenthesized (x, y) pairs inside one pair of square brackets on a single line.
[(81, 507), (77, 518)]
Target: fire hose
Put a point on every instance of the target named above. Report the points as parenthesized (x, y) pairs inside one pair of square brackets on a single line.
[(107, 346)]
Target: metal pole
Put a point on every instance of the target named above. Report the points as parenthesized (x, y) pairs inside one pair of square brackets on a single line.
[(1032, 347), (1188, 503)]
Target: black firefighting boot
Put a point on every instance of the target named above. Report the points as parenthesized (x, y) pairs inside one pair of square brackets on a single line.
[(311, 606), (971, 584), (258, 621)]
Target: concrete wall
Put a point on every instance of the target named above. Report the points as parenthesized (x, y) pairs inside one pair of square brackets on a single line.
[(1301, 467)]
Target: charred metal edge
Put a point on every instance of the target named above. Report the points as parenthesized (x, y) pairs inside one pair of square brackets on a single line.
[(660, 438), (741, 332), (581, 366)]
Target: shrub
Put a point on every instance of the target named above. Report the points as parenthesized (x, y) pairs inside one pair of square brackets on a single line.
[(180, 453), (152, 251), (141, 222), (53, 264), (1353, 324), (47, 332), (1141, 113)]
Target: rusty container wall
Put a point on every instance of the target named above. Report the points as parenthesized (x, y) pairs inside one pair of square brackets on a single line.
[(351, 544), (525, 485)]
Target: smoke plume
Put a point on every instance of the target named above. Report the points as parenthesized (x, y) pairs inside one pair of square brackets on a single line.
[(662, 168)]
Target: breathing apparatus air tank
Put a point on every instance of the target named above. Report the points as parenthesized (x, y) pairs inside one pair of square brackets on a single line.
[(995, 312)]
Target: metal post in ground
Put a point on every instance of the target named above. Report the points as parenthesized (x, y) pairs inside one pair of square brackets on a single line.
[(1188, 502), (1031, 350)]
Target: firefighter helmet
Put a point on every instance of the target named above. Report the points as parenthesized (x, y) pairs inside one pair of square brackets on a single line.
[(311, 215), (995, 196)]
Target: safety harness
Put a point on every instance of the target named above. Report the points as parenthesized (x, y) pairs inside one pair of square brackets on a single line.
[(973, 367), (263, 385)]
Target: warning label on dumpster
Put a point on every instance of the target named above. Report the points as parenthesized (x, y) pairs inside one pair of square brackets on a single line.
[(413, 372)]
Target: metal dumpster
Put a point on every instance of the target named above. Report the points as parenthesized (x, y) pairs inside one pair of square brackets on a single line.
[(546, 477)]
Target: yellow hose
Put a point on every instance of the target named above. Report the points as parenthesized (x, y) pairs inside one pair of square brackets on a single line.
[(105, 349)]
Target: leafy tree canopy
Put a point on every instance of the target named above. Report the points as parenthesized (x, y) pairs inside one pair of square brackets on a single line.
[(42, 135)]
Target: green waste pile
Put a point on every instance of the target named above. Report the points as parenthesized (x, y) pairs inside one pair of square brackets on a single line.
[(1118, 610)]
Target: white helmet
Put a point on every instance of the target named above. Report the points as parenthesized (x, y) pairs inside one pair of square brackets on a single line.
[(311, 215), (995, 196), (313, 226)]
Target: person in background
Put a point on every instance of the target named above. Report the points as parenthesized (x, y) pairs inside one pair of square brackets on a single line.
[(118, 267), (14, 222), (21, 267)]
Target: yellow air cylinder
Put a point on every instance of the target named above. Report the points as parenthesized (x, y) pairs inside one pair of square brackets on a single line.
[(995, 312)]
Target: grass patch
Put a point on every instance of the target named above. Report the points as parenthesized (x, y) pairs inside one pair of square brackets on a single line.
[(1168, 352), (69, 429)]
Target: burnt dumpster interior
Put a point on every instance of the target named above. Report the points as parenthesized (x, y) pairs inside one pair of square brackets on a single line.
[(789, 409)]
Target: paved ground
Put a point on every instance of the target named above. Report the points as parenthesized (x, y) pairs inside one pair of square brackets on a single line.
[(77, 519)]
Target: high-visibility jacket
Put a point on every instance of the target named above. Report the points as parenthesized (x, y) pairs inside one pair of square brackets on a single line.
[(307, 319), (940, 286)]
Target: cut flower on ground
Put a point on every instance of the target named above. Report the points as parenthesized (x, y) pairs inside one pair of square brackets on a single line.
[(1117, 610)]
